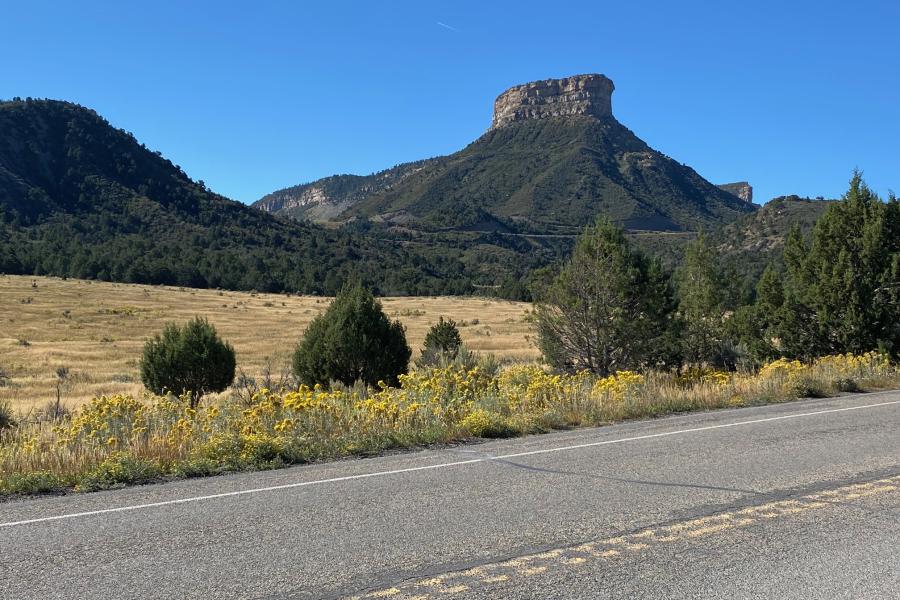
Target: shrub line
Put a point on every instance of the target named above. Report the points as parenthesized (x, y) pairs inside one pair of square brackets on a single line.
[(121, 440)]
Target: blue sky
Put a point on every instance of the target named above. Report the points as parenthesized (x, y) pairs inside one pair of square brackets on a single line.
[(254, 96)]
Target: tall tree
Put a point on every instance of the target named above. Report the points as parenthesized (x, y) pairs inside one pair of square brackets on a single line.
[(701, 305), (794, 327), (609, 309), (841, 291), (754, 325)]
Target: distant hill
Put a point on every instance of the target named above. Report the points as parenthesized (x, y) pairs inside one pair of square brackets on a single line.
[(746, 244), (327, 198), (553, 160), (80, 198), (753, 240), (766, 229)]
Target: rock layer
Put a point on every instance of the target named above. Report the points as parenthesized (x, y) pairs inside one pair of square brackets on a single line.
[(741, 189), (577, 95)]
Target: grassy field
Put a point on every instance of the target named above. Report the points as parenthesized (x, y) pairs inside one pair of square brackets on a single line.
[(96, 331)]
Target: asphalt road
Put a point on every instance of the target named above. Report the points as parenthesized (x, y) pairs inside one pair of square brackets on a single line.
[(798, 500)]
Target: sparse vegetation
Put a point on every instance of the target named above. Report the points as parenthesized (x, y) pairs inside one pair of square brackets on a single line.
[(246, 387), (107, 346), (7, 421), (62, 377), (51, 412)]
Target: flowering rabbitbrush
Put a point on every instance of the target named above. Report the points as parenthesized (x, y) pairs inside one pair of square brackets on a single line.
[(117, 440)]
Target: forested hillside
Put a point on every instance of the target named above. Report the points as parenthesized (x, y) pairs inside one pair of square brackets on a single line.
[(80, 198)]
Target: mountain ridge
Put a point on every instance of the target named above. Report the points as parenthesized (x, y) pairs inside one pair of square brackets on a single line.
[(553, 160), (81, 198)]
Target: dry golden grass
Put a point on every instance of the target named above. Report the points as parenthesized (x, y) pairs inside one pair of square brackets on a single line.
[(97, 330)]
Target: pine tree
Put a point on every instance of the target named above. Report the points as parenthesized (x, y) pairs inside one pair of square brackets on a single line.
[(840, 293), (442, 341), (190, 359), (701, 305), (770, 291), (758, 324), (609, 309)]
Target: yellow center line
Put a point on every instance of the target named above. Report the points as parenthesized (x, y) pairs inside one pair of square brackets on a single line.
[(575, 556), (710, 529), (384, 593)]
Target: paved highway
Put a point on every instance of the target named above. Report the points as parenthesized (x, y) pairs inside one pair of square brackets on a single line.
[(798, 500)]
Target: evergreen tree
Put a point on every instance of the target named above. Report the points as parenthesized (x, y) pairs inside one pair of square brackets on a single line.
[(352, 341), (841, 291), (701, 306), (441, 341), (756, 324), (850, 261), (609, 309), (770, 291), (190, 359)]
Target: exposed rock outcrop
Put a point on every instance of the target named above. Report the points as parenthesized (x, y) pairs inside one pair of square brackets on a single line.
[(741, 189), (577, 95), (327, 198)]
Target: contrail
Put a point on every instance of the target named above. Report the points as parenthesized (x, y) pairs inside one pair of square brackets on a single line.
[(445, 26)]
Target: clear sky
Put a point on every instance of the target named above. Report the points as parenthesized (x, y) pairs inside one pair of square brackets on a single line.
[(255, 96)]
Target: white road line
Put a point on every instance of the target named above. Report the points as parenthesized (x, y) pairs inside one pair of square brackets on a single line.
[(439, 465)]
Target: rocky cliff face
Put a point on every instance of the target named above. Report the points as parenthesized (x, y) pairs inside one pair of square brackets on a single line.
[(576, 95), (327, 198), (741, 189), (313, 201), (276, 201)]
